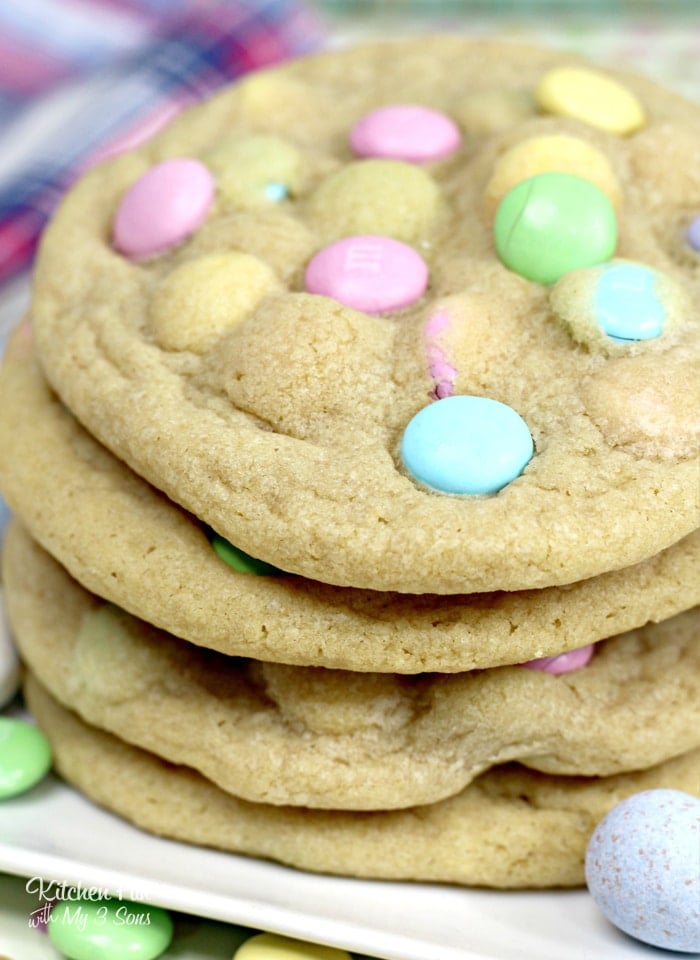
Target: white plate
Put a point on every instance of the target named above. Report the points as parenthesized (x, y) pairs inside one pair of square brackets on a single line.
[(55, 834)]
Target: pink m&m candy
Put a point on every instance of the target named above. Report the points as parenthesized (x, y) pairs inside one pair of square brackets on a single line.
[(163, 207), (370, 273), (405, 132), (564, 662)]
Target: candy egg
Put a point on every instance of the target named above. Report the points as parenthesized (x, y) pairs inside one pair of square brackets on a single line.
[(109, 929), (643, 868), (9, 666), (25, 756), (271, 946)]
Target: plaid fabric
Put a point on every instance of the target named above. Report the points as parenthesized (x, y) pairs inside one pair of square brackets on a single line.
[(80, 79)]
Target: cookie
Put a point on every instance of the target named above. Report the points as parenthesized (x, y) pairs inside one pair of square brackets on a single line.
[(334, 739), (511, 828), (126, 542), (350, 367)]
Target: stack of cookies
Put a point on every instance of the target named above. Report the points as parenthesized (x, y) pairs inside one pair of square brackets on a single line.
[(352, 444)]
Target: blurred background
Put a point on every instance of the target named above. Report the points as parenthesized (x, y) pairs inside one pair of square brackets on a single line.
[(660, 37), (80, 79)]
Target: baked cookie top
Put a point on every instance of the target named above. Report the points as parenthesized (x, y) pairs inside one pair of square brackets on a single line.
[(126, 542), (447, 345)]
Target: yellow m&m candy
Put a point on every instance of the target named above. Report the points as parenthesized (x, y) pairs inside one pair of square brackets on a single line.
[(272, 946), (204, 297), (555, 152), (591, 97)]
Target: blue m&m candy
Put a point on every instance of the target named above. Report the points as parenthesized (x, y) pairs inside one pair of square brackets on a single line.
[(466, 445), (275, 191), (626, 305)]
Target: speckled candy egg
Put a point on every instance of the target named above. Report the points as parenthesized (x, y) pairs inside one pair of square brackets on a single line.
[(643, 868)]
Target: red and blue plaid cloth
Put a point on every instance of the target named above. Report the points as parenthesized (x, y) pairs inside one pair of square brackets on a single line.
[(82, 78)]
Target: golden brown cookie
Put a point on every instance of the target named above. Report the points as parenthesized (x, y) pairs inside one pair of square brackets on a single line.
[(511, 828), (126, 542), (416, 409), (333, 739)]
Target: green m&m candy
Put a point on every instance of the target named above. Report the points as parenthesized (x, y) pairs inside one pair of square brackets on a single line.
[(25, 756), (106, 929), (240, 561), (552, 223)]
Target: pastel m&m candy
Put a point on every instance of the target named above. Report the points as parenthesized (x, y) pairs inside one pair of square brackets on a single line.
[(625, 304), (25, 756), (163, 207), (371, 273), (109, 929), (562, 662), (390, 198), (693, 234), (405, 132), (554, 152), (592, 97), (240, 561), (643, 868), (255, 170), (271, 946), (552, 223), (618, 303), (466, 445), (206, 296)]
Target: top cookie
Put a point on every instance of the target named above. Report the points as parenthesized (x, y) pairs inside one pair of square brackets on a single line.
[(445, 346)]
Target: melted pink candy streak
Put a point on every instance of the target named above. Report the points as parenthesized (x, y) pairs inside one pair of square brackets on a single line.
[(440, 369), (564, 662)]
